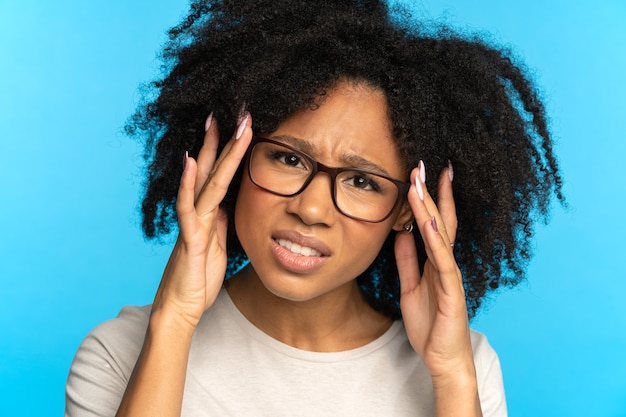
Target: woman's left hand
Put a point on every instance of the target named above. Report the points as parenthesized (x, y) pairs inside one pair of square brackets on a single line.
[(433, 303)]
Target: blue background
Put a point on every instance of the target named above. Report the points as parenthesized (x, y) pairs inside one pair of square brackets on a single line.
[(71, 252)]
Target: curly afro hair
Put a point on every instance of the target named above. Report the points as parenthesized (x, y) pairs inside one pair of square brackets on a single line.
[(451, 98)]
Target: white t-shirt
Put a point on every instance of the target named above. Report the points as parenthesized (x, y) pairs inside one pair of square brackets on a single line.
[(235, 369)]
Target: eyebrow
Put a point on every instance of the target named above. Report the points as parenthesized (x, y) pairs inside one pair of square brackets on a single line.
[(351, 160)]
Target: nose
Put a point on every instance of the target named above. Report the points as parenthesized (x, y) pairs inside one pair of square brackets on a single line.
[(314, 205)]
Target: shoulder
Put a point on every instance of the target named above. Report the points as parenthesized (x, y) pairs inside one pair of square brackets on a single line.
[(104, 362), (486, 359), (484, 353), (119, 339), (489, 376)]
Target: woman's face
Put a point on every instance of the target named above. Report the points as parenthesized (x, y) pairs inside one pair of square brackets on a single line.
[(350, 128)]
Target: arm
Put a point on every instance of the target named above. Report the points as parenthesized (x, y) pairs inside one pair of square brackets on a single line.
[(191, 281), (433, 303)]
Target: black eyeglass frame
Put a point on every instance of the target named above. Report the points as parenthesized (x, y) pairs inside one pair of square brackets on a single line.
[(403, 187)]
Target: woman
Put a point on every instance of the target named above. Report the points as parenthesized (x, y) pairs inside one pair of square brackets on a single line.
[(368, 183)]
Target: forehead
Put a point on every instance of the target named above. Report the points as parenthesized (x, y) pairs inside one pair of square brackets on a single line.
[(350, 123)]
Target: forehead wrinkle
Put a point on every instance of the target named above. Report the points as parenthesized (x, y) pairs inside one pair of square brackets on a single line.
[(350, 160)]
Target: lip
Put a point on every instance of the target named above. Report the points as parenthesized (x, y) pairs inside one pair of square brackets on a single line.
[(302, 240), (299, 264)]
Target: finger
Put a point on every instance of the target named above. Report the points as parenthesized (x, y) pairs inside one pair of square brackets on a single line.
[(446, 204), (441, 258), (421, 202), (418, 197), (429, 222), (437, 246), (436, 243), (242, 126), (208, 153), (225, 167), (185, 207), (407, 262)]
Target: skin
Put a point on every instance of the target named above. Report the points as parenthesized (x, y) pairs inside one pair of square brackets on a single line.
[(320, 309)]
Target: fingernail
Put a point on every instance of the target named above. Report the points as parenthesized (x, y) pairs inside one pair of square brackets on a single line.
[(422, 171), (450, 171), (241, 127), (433, 223), (242, 113), (185, 159), (418, 187), (207, 123)]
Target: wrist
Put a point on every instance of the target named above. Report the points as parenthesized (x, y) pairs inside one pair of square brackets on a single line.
[(456, 394), (168, 321), (456, 381)]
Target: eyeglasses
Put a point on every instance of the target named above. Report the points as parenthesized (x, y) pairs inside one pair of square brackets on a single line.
[(357, 193)]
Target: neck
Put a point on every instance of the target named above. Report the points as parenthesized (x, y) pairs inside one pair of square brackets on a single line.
[(336, 321)]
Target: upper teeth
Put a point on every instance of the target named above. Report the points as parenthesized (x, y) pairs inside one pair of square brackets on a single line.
[(297, 249)]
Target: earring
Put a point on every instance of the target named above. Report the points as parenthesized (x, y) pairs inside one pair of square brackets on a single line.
[(408, 227)]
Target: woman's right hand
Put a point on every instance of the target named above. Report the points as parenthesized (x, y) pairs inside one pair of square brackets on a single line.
[(195, 271)]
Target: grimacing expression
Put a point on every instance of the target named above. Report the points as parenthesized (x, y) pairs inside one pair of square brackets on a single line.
[(301, 246)]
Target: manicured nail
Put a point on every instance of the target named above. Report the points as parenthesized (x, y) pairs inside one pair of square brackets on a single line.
[(241, 127), (422, 171), (418, 187), (241, 114), (433, 223), (450, 171), (185, 160), (207, 123)]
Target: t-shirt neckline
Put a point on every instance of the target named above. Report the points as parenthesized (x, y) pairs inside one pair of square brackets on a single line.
[(261, 337)]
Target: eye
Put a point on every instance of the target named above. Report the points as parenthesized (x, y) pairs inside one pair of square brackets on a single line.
[(291, 159), (288, 159), (363, 181)]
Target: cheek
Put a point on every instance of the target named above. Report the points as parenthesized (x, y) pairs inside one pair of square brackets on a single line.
[(254, 210), (249, 203), (362, 246)]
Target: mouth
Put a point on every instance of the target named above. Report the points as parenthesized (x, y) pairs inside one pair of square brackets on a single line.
[(301, 245), (298, 253), (298, 249)]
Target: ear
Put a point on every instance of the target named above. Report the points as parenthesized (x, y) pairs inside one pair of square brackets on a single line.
[(404, 216)]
